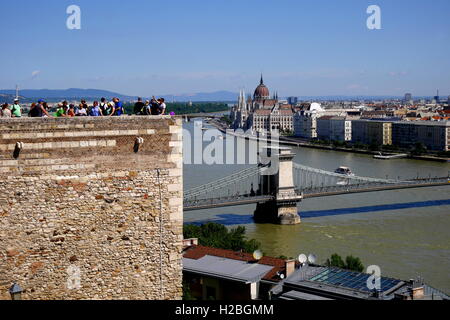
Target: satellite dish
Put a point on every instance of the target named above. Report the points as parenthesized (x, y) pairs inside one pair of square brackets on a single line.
[(312, 258), (302, 258), (257, 255), (281, 275)]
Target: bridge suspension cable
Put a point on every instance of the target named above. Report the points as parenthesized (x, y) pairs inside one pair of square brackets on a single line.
[(233, 180)]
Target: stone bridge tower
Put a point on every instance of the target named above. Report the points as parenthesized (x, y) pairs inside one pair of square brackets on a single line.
[(282, 209)]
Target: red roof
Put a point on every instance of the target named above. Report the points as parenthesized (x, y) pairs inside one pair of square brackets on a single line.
[(263, 112), (286, 112), (198, 252)]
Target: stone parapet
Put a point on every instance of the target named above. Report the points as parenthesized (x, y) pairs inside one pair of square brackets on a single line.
[(89, 211)]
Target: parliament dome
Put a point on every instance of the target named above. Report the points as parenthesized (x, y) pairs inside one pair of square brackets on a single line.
[(262, 92)]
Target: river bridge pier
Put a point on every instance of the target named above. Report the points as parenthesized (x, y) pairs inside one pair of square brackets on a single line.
[(282, 208)]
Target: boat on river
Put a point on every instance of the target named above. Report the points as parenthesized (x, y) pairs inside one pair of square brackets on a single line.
[(344, 171), (382, 156)]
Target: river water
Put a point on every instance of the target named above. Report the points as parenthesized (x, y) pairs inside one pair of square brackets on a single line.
[(405, 232)]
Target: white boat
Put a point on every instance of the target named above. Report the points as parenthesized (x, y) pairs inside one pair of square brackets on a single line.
[(344, 171), (382, 156)]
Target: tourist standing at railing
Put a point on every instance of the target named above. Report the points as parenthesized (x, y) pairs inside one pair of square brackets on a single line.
[(154, 108), (47, 108), (71, 111), (118, 111), (32, 106), (39, 110), (16, 109), (83, 106), (147, 108), (5, 112), (103, 106), (110, 108), (82, 110), (61, 111), (162, 106), (95, 110), (139, 107)]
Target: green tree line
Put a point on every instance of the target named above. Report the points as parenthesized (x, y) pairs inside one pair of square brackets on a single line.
[(218, 236), (183, 108)]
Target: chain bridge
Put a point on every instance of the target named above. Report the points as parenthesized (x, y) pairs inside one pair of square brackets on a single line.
[(277, 193)]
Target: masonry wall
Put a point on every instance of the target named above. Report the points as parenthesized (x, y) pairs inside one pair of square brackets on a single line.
[(84, 214)]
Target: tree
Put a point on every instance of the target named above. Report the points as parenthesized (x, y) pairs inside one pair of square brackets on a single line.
[(181, 108), (354, 263), (351, 263), (419, 149), (374, 146), (444, 154), (226, 119), (339, 144), (388, 147), (218, 236), (187, 295), (335, 261)]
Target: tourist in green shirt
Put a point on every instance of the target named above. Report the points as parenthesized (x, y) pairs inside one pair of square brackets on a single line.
[(61, 111), (16, 109)]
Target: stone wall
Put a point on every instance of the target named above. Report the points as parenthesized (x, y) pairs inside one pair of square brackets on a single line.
[(86, 213)]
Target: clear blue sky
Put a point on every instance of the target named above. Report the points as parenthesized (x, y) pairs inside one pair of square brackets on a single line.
[(303, 47)]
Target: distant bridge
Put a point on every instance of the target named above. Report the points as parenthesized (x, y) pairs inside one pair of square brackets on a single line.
[(277, 195), (189, 117)]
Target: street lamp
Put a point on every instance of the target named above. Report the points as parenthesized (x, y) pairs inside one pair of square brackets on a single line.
[(16, 292)]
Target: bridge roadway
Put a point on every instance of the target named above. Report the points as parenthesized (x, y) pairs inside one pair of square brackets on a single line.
[(374, 187), (200, 204)]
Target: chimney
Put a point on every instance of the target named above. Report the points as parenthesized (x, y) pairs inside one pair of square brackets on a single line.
[(290, 267), (190, 242), (417, 293)]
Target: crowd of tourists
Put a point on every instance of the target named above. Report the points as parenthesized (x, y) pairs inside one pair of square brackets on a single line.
[(154, 107), (102, 108), (8, 111)]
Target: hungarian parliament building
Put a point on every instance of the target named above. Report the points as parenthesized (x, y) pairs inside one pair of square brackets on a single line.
[(262, 113)]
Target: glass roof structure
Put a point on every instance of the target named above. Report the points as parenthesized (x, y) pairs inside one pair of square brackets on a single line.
[(351, 280)]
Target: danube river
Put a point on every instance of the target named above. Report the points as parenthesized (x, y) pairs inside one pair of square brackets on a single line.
[(405, 232)]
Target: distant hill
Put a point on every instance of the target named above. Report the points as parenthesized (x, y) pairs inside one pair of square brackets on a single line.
[(203, 96), (347, 98), (9, 98), (72, 93), (217, 96)]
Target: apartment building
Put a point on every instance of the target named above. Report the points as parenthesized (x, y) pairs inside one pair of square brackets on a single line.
[(334, 128), (372, 132), (435, 135), (305, 121)]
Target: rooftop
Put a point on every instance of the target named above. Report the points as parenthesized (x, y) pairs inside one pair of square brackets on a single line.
[(319, 282), (238, 266), (225, 268)]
